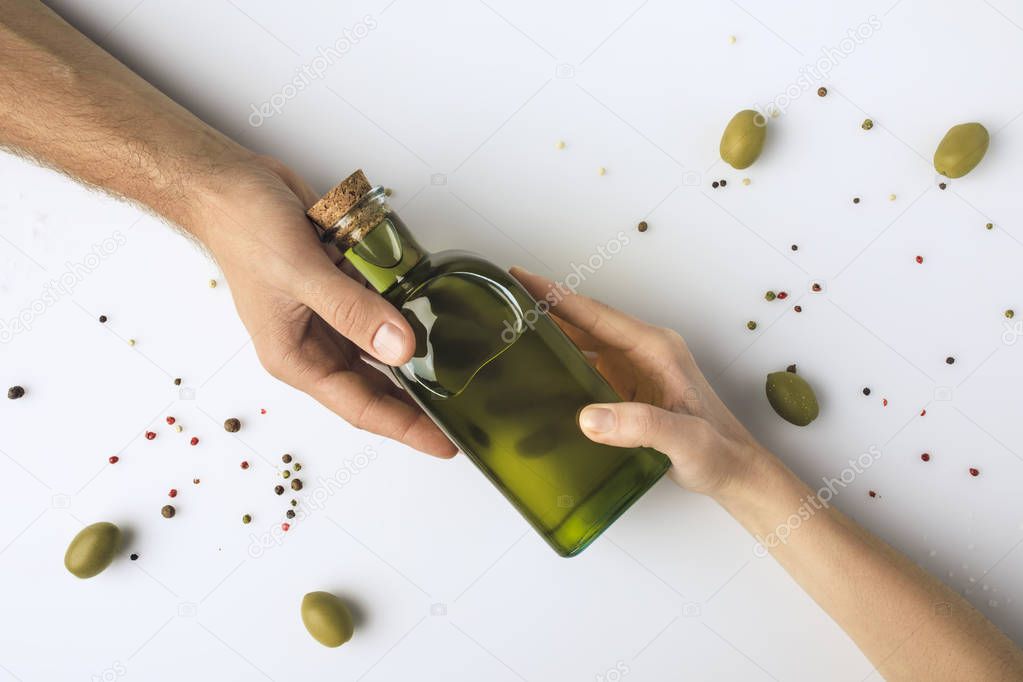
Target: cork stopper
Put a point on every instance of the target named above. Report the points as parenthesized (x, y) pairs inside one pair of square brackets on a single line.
[(328, 210)]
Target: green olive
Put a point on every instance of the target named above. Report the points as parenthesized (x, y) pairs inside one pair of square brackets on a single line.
[(92, 550), (961, 149), (792, 398), (743, 139), (327, 618)]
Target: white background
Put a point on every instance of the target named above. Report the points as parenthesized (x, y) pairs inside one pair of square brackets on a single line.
[(448, 581)]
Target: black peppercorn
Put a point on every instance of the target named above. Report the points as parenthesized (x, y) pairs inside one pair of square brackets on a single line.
[(286, 459), (102, 319), (279, 489), (15, 392), (950, 360), (714, 184), (942, 185), (822, 91), (177, 382), (290, 513), (296, 484), (642, 227), (724, 182), (232, 425), (134, 557), (866, 391), (168, 511)]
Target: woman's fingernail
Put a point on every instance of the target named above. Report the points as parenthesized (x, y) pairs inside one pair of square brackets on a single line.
[(597, 419), (389, 343)]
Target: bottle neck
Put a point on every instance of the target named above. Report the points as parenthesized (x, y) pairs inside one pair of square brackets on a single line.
[(382, 250)]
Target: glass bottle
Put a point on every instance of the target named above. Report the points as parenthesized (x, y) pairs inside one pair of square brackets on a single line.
[(495, 373)]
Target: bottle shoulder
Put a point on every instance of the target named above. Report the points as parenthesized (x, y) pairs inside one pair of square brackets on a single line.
[(458, 262)]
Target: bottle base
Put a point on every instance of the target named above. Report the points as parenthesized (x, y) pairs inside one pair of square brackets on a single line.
[(596, 513)]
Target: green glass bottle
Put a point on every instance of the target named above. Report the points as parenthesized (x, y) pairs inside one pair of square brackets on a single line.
[(495, 373)]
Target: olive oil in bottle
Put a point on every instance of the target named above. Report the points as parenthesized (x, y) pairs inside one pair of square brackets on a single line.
[(495, 373)]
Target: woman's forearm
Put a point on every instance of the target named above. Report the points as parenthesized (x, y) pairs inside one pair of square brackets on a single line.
[(69, 104), (909, 624)]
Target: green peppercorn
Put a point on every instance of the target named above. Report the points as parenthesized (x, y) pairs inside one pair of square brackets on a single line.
[(1010, 313), (867, 124), (770, 296), (751, 325), (990, 226), (246, 519), (294, 503), (285, 474), (298, 466)]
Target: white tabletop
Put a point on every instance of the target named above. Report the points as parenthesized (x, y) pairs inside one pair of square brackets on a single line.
[(457, 106)]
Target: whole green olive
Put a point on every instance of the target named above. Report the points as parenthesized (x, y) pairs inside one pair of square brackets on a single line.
[(792, 398), (92, 550), (743, 139), (961, 149), (327, 618)]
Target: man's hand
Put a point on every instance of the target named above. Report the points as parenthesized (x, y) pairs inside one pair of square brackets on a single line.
[(308, 319), (67, 103)]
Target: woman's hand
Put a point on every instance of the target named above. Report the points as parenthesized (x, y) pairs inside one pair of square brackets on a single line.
[(308, 319), (669, 404)]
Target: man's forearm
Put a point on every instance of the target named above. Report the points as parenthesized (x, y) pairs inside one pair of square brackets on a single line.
[(69, 104)]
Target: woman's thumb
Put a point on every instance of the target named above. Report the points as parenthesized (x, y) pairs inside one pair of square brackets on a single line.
[(630, 425)]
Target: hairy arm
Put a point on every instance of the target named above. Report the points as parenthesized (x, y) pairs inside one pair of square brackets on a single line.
[(70, 105)]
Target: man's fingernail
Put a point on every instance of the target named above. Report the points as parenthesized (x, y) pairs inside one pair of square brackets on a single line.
[(597, 419), (389, 343)]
